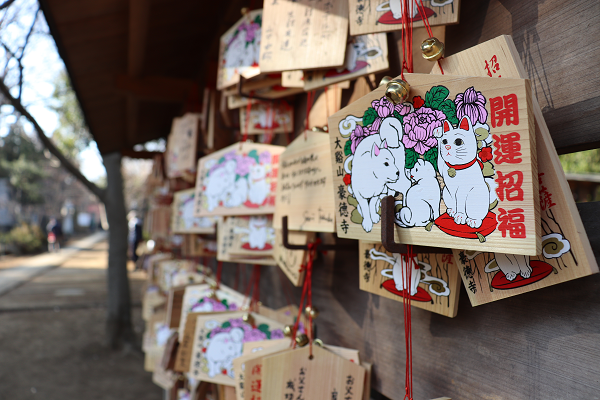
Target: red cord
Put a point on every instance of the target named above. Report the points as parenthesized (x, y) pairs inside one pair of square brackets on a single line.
[(247, 122), (407, 271), (428, 27)]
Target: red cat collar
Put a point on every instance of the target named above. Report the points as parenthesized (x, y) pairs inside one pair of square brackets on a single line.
[(464, 166)]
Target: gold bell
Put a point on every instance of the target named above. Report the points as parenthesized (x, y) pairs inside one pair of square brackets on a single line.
[(432, 49), (301, 340), (287, 330), (318, 342), (245, 10), (311, 312), (397, 90), (248, 318), (385, 80)]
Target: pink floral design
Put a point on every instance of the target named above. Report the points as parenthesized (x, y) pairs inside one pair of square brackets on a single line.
[(404, 108), (277, 334), (472, 104), (264, 158), (243, 165), (383, 107), (251, 31), (254, 335), (419, 127), (358, 134)]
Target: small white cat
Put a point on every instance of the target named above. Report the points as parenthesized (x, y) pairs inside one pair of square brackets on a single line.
[(511, 265), (391, 131), (396, 6), (422, 202), (466, 193), (373, 167), (399, 270), (258, 189)]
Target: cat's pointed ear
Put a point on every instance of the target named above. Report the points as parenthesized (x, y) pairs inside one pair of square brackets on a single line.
[(375, 150), (465, 124), (446, 126), (384, 144)]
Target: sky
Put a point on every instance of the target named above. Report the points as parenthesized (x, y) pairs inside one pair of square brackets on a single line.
[(42, 65)]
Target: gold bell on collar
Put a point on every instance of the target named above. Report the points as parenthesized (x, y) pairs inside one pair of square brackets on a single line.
[(396, 90), (287, 330), (385, 80), (248, 318), (311, 312), (432, 49), (301, 340)]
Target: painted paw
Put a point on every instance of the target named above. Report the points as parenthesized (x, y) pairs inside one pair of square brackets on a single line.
[(474, 223), (451, 212), (511, 275), (367, 225), (460, 218), (376, 218), (526, 271)]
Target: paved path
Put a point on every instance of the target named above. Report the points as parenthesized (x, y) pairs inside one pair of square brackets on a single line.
[(35, 265), (52, 332)]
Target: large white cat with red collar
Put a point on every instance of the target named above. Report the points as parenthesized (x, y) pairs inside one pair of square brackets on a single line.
[(466, 192)]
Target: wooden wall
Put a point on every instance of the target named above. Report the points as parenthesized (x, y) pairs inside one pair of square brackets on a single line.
[(542, 345)]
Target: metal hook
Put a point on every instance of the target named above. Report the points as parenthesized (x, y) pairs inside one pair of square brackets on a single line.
[(387, 232), (321, 247)]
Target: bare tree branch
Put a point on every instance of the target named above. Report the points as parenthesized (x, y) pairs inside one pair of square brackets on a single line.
[(6, 4), (18, 106), (20, 59)]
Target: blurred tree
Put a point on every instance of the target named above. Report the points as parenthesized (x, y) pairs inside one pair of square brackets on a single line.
[(19, 23), (583, 162)]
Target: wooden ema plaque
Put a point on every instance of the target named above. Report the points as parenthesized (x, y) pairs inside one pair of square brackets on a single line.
[(181, 146), (249, 365), (199, 298), (291, 261), (254, 236), (386, 15), (239, 50), (182, 217), (267, 118), (327, 376), (305, 185), (365, 54), (219, 339), (566, 252), (459, 158), (295, 31), (238, 180), (226, 241), (435, 283)]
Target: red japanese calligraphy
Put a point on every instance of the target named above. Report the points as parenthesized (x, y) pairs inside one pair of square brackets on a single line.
[(545, 196), (512, 222), (508, 148), (255, 386), (504, 109), (493, 66), (509, 186), (256, 370)]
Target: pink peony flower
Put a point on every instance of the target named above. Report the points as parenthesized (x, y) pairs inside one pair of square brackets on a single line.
[(251, 31), (264, 158), (471, 103), (383, 107), (243, 165), (277, 334), (254, 335), (358, 134), (419, 127), (404, 108)]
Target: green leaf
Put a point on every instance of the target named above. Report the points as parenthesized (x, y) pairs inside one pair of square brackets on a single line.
[(254, 154), (431, 155), (226, 324), (225, 303), (348, 147), (264, 328), (369, 116), (411, 158), (399, 117), (449, 109), (435, 96), (258, 19)]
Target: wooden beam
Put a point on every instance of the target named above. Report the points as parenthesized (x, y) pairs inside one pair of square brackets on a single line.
[(148, 155), (155, 88)]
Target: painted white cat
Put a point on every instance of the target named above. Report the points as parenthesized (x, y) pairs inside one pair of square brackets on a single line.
[(237, 194), (391, 131), (221, 349), (258, 233), (373, 167), (399, 270), (511, 265), (396, 7), (219, 182), (422, 202), (466, 193), (258, 189), (358, 50)]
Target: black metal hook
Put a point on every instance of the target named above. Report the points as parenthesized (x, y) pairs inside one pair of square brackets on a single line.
[(387, 232), (320, 247)]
